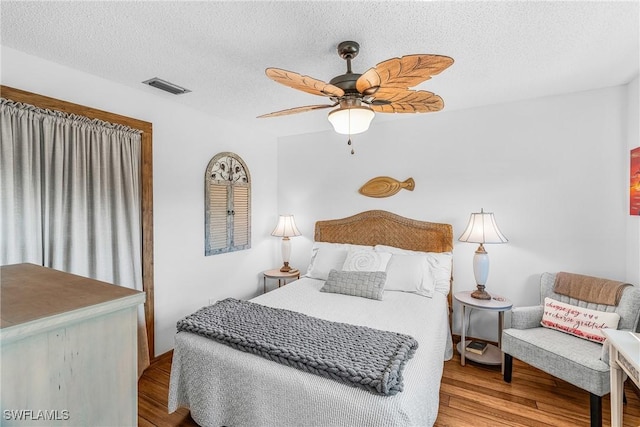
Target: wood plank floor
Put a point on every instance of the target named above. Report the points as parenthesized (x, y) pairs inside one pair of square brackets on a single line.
[(474, 396)]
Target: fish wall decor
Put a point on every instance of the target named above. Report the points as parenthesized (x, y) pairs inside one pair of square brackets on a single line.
[(384, 186)]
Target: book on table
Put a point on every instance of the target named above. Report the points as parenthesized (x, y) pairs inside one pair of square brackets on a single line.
[(477, 347)]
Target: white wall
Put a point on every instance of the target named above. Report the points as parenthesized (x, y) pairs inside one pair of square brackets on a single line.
[(551, 169), (184, 140)]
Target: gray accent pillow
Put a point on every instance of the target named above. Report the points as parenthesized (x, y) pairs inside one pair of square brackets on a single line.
[(366, 284)]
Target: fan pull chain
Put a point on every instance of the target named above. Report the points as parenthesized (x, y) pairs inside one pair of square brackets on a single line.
[(349, 140)]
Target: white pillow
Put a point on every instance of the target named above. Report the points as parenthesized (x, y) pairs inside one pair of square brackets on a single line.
[(327, 256), (359, 259), (578, 321), (439, 265), (410, 273)]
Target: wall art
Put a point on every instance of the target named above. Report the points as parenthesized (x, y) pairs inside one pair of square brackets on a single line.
[(634, 182), (384, 186)]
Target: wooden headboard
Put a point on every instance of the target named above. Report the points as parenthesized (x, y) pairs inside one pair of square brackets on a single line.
[(385, 228)]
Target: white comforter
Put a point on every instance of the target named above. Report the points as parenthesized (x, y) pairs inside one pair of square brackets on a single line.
[(224, 386)]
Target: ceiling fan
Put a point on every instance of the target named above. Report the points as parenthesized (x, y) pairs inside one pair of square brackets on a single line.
[(384, 88)]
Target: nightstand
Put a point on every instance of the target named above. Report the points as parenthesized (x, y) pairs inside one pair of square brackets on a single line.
[(492, 355), (281, 276)]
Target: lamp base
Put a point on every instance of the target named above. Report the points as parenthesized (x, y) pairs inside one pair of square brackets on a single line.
[(480, 293), (285, 268)]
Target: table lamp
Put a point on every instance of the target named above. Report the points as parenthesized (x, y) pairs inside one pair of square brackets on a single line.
[(482, 228), (286, 228)]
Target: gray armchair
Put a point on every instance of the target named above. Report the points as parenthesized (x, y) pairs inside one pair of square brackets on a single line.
[(582, 363)]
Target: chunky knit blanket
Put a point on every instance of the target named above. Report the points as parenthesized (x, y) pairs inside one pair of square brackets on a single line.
[(360, 356)]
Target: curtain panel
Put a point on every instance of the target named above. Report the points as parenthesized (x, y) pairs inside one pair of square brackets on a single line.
[(70, 196)]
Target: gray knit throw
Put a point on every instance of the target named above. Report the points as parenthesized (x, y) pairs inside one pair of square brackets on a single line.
[(357, 355)]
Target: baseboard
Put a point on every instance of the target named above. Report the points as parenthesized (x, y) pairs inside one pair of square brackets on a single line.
[(162, 357)]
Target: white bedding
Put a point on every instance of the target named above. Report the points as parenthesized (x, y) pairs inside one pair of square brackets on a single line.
[(224, 386)]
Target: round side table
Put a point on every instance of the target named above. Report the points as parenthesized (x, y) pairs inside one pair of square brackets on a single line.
[(280, 276), (492, 355)]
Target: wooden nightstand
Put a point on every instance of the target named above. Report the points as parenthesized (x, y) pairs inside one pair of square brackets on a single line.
[(280, 276), (493, 355)]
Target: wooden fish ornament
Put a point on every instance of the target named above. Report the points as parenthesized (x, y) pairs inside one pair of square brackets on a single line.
[(384, 186)]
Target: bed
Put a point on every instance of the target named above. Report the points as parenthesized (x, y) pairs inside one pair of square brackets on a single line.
[(222, 386)]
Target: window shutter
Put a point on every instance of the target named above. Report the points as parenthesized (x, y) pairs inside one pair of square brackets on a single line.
[(217, 217), (227, 204), (241, 216)]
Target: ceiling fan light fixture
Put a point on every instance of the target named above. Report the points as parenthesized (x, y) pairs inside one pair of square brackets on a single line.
[(351, 120)]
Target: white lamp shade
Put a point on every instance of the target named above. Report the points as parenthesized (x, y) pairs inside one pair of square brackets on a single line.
[(352, 120), (286, 227), (482, 228)]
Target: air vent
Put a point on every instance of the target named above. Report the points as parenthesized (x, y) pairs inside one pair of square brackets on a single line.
[(166, 86)]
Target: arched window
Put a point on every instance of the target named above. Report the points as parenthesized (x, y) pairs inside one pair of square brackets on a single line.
[(227, 205)]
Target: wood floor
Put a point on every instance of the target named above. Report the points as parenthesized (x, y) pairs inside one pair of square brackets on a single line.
[(474, 396)]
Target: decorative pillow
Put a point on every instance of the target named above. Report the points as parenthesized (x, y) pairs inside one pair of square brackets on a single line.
[(410, 273), (581, 322), (359, 259), (326, 256), (440, 264), (366, 284)]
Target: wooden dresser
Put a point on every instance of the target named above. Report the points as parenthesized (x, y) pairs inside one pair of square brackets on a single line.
[(69, 349)]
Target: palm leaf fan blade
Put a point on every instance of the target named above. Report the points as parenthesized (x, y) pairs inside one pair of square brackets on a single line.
[(296, 110), (403, 73), (368, 82), (408, 101), (303, 83)]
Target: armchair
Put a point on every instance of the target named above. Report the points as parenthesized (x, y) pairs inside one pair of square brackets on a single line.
[(578, 361)]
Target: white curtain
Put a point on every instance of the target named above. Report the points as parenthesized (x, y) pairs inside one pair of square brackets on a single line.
[(70, 196)]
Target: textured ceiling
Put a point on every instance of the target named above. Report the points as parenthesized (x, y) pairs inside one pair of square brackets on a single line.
[(503, 50)]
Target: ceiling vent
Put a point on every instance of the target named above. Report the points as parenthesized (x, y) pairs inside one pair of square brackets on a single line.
[(166, 86)]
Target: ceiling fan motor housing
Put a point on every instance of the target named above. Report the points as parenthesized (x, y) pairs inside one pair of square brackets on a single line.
[(346, 82)]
